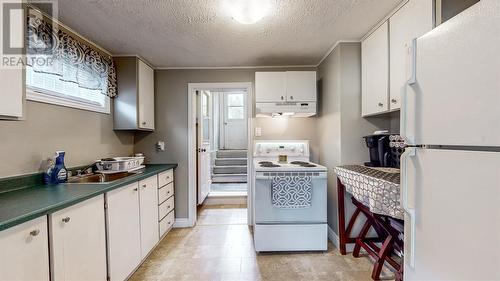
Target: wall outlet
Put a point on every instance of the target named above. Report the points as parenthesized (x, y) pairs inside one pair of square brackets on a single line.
[(160, 146)]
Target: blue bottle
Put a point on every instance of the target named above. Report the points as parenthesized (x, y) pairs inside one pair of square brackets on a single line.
[(59, 173)]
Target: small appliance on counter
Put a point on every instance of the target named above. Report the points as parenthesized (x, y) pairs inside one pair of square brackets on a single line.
[(385, 149), (119, 164)]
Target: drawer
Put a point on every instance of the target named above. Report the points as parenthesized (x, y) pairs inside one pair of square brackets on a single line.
[(165, 192), (167, 223), (166, 207), (165, 177), (149, 182)]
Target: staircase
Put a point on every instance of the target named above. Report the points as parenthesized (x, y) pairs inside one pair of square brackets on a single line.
[(230, 166)]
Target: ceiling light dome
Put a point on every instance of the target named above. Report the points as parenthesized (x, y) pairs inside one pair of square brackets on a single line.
[(247, 11)]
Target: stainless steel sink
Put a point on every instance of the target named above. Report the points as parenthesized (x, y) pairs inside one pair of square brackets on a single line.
[(99, 178)]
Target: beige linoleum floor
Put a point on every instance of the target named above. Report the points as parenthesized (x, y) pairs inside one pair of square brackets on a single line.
[(220, 247)]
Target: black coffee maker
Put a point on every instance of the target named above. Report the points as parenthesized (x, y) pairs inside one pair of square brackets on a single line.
[(382, 153), (378, 146)]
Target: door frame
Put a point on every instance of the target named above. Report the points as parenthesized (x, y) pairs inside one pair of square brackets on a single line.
[(192, 173)]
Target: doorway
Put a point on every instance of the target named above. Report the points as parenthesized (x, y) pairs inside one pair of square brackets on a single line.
[(220, 122)]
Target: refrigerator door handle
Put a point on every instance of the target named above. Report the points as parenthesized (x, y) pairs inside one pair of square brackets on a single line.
[(409, 258), (408, 113), (413, 62)]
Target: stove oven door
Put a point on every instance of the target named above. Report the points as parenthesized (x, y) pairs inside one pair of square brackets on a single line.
[(267, 213)]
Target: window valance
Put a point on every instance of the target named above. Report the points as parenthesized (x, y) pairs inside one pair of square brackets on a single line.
[(53, 50)]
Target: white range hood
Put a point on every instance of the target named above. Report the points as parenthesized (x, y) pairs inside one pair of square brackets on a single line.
[(290, 109)]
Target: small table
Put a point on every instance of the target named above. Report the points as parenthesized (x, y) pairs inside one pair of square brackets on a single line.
[(375, 193)]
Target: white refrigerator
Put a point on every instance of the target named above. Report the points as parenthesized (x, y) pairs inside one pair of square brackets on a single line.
[(450, 174)]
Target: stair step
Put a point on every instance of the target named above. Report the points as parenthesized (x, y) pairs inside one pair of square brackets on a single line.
[(231, 162), (225, 178), (232, 154), (230, 170)]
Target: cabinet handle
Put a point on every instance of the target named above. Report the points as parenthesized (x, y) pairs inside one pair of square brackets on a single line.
[(168, 192), (380, 104), (394, 100), (143, 186), (135, 189), (282, 97), (291, 97), (168, 207), (35, 232), (143, 123), (169, 222), (66, 219)]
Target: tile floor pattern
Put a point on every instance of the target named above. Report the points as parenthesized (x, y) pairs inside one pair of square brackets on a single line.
[(220, 247)]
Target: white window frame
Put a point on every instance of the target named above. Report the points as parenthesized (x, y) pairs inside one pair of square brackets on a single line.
[(47, 96)]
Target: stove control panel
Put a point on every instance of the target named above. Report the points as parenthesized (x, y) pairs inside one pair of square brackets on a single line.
[(276, 148)]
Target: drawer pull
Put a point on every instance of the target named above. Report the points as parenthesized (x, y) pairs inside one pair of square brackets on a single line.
[(168, 192), (168, 207), (135, 189), (143, 186), (35, 232), (169, 222), (66, 219)]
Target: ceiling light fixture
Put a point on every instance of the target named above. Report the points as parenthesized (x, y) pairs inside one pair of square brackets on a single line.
[(247, 11)]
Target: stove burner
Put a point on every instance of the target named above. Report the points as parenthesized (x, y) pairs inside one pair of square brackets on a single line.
[(265, 162), (299, 163), (308, 165), (269, 165)]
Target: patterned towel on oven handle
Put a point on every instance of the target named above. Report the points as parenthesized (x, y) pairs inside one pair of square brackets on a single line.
[(291, 192)]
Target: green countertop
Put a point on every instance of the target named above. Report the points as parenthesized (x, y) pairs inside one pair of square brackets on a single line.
[(25, 204)]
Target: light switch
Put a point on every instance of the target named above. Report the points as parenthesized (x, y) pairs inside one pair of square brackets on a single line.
[(160, 146), (258, 131)]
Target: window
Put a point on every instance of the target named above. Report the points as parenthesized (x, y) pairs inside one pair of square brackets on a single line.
[(235, 106), (49, 88), (65, 69)]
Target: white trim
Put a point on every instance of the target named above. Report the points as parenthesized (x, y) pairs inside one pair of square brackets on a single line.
[(334, 238), (192, 88), (37, 96), (231, 67), (182, 223)]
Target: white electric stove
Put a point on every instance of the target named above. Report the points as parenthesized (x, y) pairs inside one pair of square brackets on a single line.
[(289, 228)]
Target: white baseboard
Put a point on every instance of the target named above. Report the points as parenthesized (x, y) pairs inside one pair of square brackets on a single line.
[(182, 223), (336, 241)]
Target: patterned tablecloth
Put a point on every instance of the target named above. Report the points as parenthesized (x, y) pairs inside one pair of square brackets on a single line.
[(376, 188)]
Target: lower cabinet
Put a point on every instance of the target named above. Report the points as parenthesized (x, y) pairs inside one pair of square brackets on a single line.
[(132, 218), (124, 231), (148, 196), (78, 241), (24, 251)]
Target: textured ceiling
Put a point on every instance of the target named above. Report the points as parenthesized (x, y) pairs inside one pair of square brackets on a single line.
[(199, 33)]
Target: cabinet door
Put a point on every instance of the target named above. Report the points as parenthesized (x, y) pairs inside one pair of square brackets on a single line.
[(78, 241), (301, 86), (375, 71), (270, 86), (413, 20), (24, 253), (12, 80), (123, 231), (149, 214), (146, 96)]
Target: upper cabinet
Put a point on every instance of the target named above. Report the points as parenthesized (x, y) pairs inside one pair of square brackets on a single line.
[(413, 20), (289, 86), (12, 77), (134, 106), (375, 71), (386, 55)]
